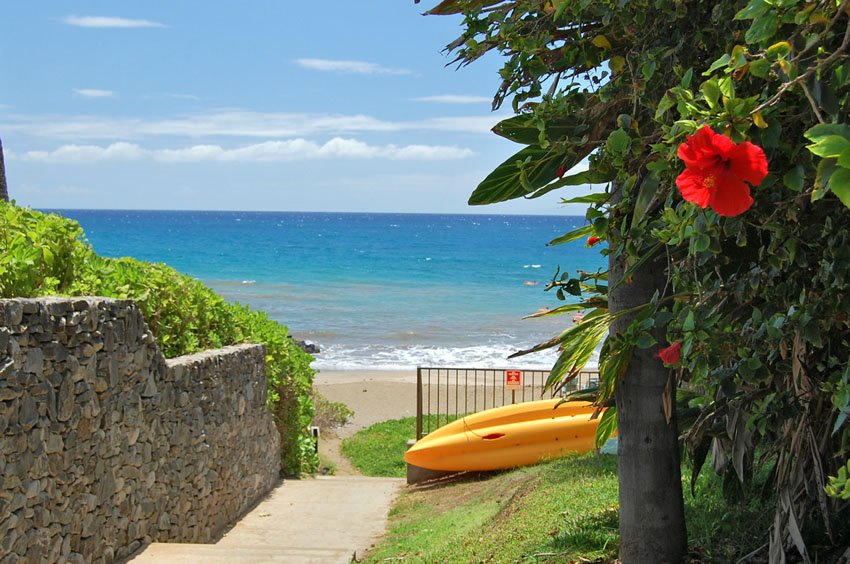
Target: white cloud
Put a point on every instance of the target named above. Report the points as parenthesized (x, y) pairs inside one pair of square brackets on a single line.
[(348, 67), (84, 154), (184, 96), (108, 22), (94, 93), (454, 99), (234, 123), (268, 151)]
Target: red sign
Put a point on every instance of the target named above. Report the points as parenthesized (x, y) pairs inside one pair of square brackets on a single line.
[(513, 379)]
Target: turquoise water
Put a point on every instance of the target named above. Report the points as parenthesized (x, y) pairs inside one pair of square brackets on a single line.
[(372, 290)]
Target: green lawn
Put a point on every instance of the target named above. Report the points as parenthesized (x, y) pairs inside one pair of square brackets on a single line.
[(557, 511), (378, 450), (562, 508)]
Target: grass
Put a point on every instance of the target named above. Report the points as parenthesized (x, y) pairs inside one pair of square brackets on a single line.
[(561, 509), (558, 511), (378, 450)]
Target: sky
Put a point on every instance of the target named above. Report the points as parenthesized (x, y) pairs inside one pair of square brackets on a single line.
[(259, 105)]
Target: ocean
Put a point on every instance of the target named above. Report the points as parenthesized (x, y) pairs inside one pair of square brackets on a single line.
[(373, 291)]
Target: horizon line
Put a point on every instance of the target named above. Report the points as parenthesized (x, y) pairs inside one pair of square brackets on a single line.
[(306, 211)]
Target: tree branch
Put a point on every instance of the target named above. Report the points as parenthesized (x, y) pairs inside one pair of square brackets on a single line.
[(809, 72)]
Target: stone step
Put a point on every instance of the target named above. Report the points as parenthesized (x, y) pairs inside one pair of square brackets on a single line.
[(183, 553)]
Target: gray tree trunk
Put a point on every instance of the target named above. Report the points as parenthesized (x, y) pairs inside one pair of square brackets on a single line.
[(4, 190), (652, 516)]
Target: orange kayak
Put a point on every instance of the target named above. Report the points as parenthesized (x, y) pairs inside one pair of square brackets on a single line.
[(504, 437)]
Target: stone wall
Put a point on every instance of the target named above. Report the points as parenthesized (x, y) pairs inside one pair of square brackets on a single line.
[(106, 446)]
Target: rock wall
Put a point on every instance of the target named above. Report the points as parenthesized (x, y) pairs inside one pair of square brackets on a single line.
[(106, 446)]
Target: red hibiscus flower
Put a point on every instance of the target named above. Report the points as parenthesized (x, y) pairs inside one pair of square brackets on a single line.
[(717, 170), (593, 240), (671, 354)]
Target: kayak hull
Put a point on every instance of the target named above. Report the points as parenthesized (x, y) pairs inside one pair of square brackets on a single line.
[(505, 437)]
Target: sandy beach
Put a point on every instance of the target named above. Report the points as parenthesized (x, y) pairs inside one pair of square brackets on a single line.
[(379, 395), (374, 395)]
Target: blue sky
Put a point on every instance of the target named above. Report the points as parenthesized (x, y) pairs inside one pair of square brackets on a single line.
[(258, 105)]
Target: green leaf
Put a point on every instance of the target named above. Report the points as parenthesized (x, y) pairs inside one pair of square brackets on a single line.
[(687, 77), (519, 129), (586, 177), (779, 50), (648, 69), (667, 101), (645, 340), (689, 325), (824, 129), (607, 426), (597, 198), (711, 91), (824, 173), (49, 257), (721, 62), (763, 28), (619, 142), (576, 343), (583, 231), (795, 178), (569, 308), (727, 86), (760, 68), (701, 242), (844, 159), (521, 174), (829, 146), (648, 189), (753, 10), (839, 183)]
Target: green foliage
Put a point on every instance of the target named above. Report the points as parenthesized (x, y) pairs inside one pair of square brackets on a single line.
[(329, 414), (760, 301), (831, 142), (839, 485), (46, 254), (40, 252)]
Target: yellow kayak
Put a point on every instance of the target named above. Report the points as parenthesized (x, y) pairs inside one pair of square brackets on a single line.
[(504, 437)]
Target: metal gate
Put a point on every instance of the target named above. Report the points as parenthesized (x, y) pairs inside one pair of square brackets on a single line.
[(446, 393)]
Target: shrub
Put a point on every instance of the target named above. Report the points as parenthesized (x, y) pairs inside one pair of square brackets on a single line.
[(46, 254), (330, 414)]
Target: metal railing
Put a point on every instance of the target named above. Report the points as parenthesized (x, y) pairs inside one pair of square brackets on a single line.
[(443, 393)]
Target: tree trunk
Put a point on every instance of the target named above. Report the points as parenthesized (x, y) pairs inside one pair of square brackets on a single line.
[(4, 191), (652, 517)]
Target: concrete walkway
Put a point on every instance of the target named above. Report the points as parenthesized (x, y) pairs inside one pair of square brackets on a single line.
[(327, 519)]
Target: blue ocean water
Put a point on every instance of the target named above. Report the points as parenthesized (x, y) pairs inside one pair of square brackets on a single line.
[(381, 291)]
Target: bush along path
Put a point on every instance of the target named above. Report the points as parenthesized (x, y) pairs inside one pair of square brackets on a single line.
[(46, 254)]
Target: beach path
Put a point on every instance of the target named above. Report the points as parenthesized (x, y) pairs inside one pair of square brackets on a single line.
[(328, 519), (323, 519)]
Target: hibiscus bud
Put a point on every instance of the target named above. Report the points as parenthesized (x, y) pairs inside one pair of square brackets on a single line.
[(671, 354), (592, 240), (561, 170)]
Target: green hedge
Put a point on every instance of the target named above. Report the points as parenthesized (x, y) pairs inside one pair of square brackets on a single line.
[(46, 254)]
